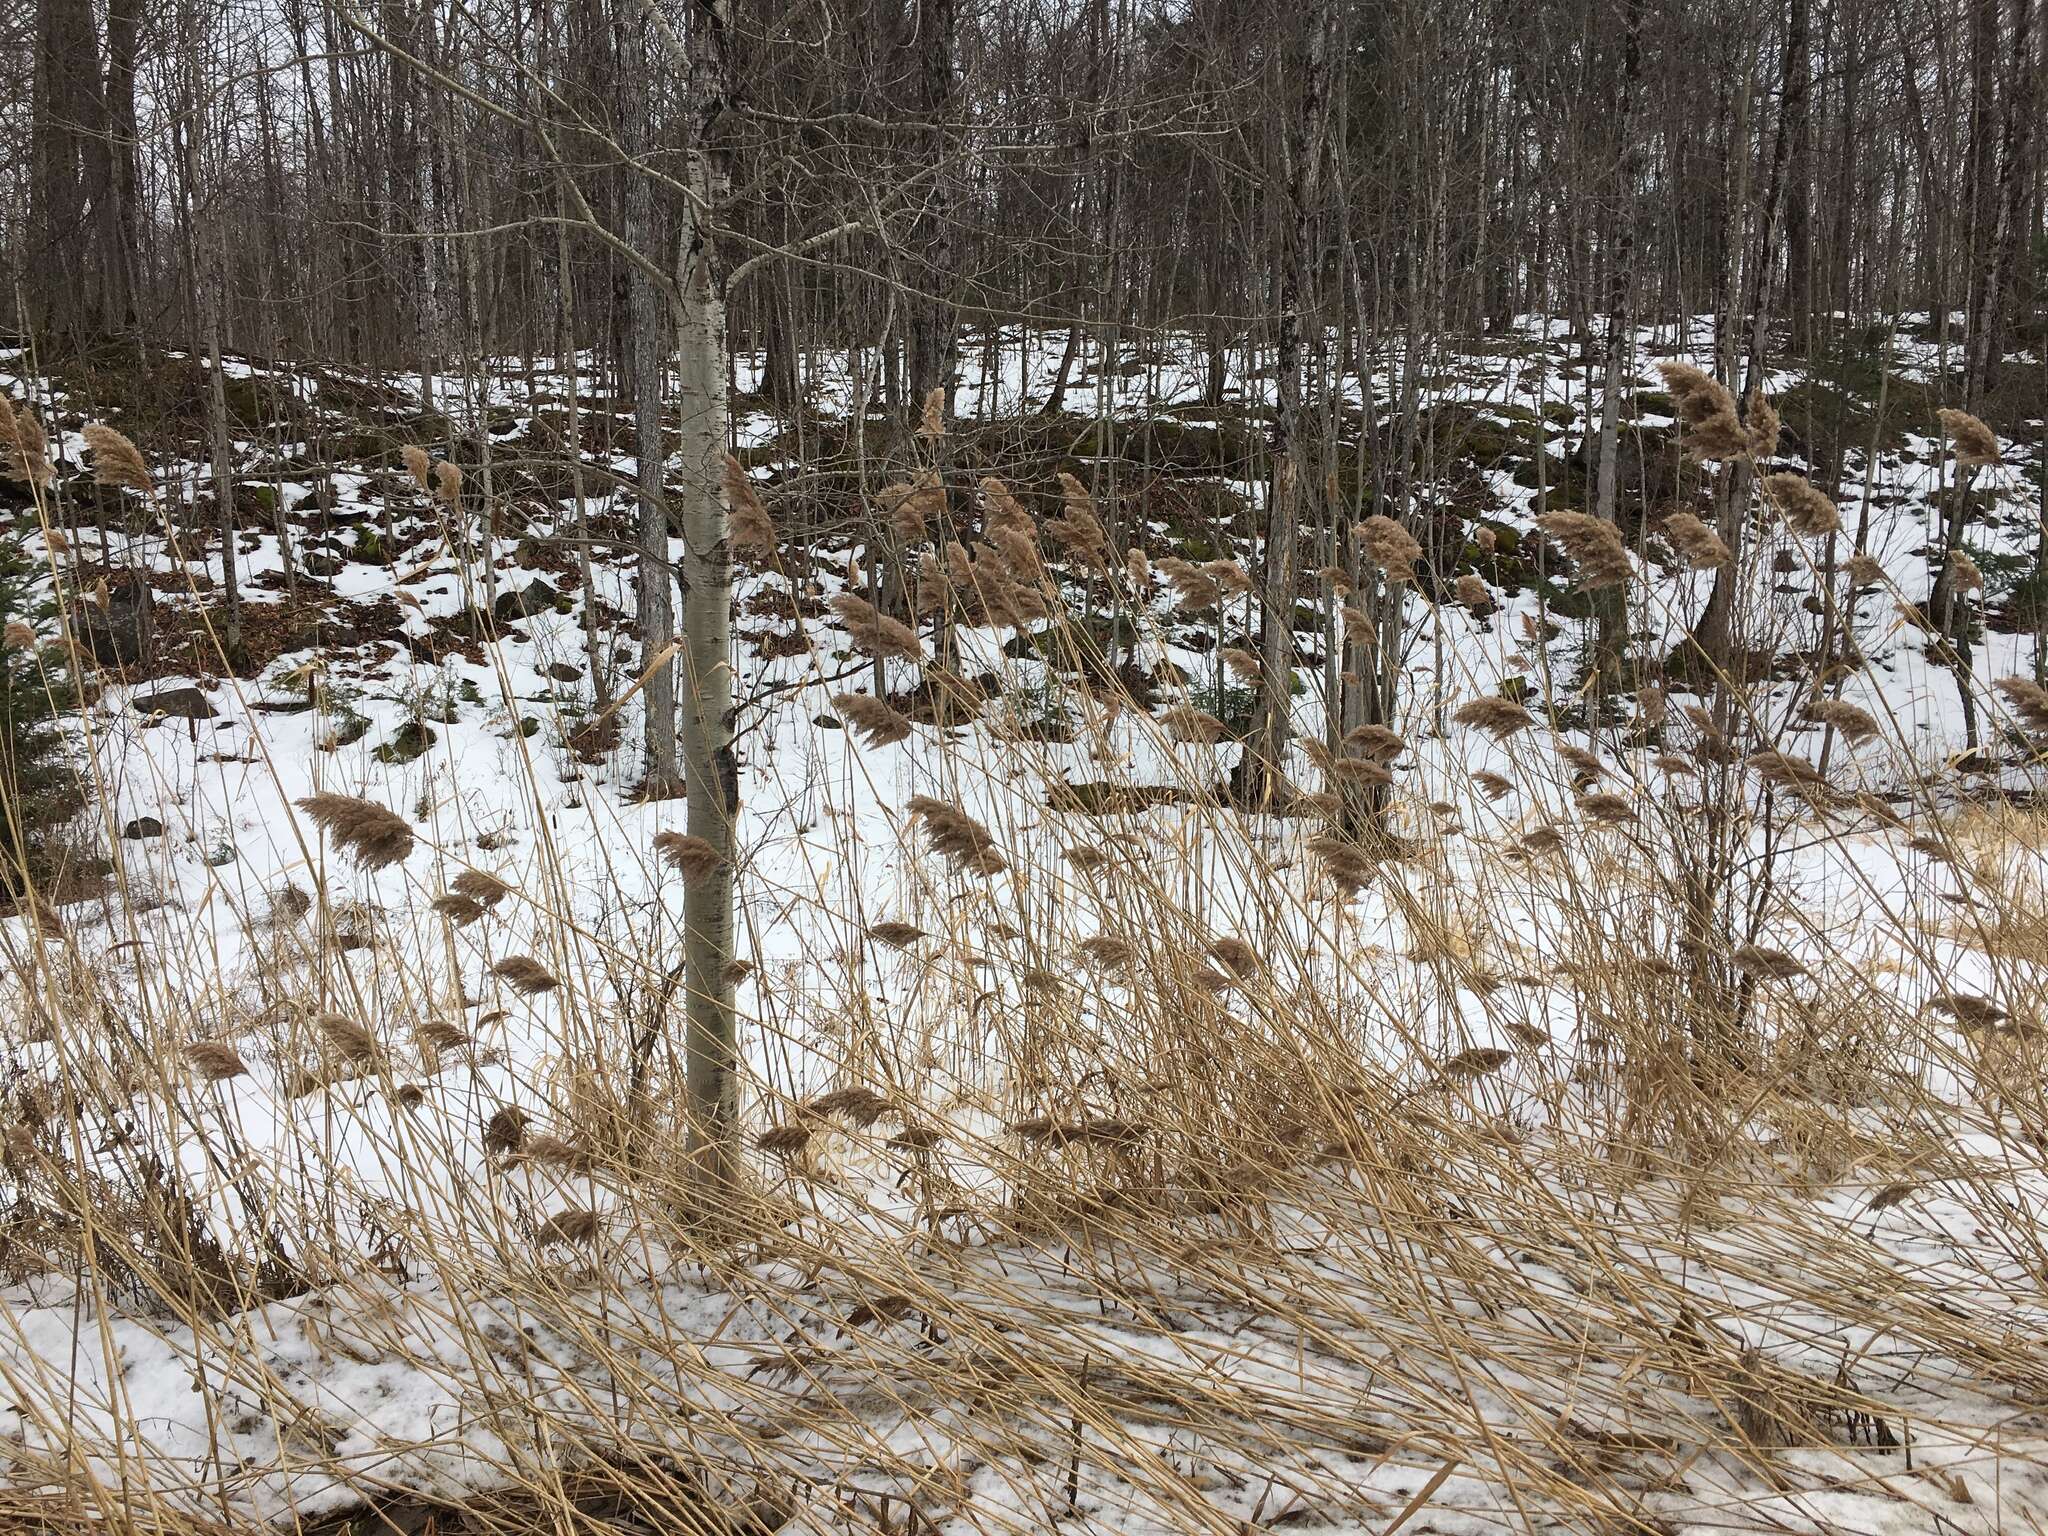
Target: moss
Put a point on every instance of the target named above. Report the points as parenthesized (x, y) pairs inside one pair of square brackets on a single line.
[(410, 742), (1563, 602), (1566, 481), (1823, 418)]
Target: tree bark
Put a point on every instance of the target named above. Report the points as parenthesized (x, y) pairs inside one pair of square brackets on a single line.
[(642, 358), (1260, 771), (711, 771)]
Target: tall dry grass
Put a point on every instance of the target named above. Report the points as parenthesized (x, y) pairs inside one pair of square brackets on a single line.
[(1589, 1144)]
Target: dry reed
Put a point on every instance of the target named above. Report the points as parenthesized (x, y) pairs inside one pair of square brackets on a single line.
[(1389, 546), (116, 461), (874, 633), (749, 528), (374, 837), (1973, 443)]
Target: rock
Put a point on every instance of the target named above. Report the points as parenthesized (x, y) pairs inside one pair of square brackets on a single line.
[(321, 632), (120, 634), (174, 704), (410, 741), (141, 827), (536, 597)]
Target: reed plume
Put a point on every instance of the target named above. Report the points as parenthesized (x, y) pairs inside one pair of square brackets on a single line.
[(1586, 768), (459, 910), (1762, 427), (215, 1061), (1492, 785), (1708, 425), (484, 889), (2029, 700), (1853, 725), (1001, 508), (1782, 770), (346, 1038), (525, 975), (1078, 531), (1389, 546), (1376, 743), (1973, 442), (694, 858), (1604, 806), (910, 505), (1594, 545), (896, 935), (576, 1228), (857, 1104), (1237, 957), (1018, 551), (878, 724), (1496, 715), (1109, 952), (418, 465), (1346, 865), (1699, 546), (957, 837), (1195, 590), (1762, 960), (1229, 575), (749, 528), (874, 632), (1807, 510), (373, 836), (1184, 722), (116, 461), (24, 449)]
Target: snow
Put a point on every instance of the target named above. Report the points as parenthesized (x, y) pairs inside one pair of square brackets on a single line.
[(446, 1365)]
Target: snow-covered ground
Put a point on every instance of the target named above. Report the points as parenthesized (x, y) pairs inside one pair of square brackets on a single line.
[(1480, 1312)]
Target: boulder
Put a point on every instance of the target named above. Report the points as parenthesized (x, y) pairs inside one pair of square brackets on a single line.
[(536, 597), (120, 634), (174, 704)]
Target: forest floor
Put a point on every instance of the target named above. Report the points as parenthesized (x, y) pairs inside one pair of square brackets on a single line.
[(1178, 1175)]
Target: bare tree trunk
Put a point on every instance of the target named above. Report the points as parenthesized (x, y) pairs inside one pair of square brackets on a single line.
[(1260, 772), (567, 361), (1056, 398), (711, 1045), (1609, 605), (644, 365), (208, 276), (1798, 191), (1994, 250), (934, 336)]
